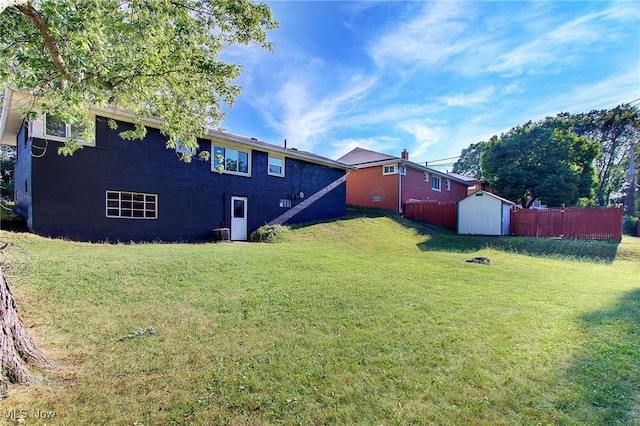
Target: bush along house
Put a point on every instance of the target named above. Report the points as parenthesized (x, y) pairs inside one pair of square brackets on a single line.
[(385, 181), (119, 190)]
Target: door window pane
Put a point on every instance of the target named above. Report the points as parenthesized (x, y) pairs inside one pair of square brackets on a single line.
[(238, 209)]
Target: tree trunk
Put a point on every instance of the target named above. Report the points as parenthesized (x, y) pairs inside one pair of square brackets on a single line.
[(631, 192), (17, 348)]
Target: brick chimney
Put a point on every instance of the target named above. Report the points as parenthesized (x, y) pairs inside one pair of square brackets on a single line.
[(405, 155)]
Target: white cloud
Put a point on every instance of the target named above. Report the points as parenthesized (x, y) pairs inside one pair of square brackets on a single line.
[(304, 116), (603, 94), (513, 88), (455, 36), (468, 99), (435, 35), (503, 62), (425, 136), (561, 46)]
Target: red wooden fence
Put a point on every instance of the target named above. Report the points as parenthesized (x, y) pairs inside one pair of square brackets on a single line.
[(433, 212), (593, 223), (584, 223)]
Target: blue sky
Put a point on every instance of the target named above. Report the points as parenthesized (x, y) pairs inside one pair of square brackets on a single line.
[(431, 77)]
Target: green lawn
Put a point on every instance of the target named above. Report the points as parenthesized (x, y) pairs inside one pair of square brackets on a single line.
[(369, 320)]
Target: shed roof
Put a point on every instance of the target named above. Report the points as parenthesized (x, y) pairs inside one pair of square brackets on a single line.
[(490, 194)]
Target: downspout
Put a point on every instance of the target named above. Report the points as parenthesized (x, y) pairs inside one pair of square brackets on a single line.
[(400, 189)]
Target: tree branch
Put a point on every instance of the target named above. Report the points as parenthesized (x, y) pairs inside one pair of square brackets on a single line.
[(49, 42), (5, 4)]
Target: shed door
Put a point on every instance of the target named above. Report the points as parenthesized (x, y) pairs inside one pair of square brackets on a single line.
[(238, 218), (506, 219)]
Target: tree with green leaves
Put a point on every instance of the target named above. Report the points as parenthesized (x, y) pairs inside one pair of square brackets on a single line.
[(7, 166), (618, 132), (469, 162), (153, 58), (543, 161)]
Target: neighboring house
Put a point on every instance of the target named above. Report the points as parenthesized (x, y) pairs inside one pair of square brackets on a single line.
[(484, 213), (119, 190), (385, 181), (474, 184)]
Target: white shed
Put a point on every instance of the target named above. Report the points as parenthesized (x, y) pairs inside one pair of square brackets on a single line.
[(484, 213)]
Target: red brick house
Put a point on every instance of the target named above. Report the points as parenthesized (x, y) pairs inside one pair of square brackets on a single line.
[(385, 181)]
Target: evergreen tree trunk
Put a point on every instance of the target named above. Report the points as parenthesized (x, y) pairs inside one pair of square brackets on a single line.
[(18, 351)]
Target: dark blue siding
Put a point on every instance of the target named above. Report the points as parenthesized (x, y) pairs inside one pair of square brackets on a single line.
[(22, 177), (68, 193)]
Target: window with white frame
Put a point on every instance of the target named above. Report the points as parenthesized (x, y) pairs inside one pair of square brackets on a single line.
[(435, 183), (233, 161), (132, 205), (389, 170), (376, 198), (403, 170), (426, 177), (60, 131), (55, 128), (276, 166), (447, 185)]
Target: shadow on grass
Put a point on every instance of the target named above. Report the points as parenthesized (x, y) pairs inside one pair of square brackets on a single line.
[(589, 250), (603, 382), (441, 239)]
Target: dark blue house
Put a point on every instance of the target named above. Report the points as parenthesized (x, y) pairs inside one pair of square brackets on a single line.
[(119, 190)]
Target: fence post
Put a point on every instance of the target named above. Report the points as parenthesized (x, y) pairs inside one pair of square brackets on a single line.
[(564, 231)]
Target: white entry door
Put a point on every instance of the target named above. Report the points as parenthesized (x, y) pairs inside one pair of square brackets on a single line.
[(238, 218)]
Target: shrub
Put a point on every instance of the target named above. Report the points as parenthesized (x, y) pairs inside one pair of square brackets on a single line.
[(630, 225), (268, 233)]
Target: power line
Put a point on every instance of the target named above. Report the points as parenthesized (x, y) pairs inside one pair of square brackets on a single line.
[(443, 159)]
